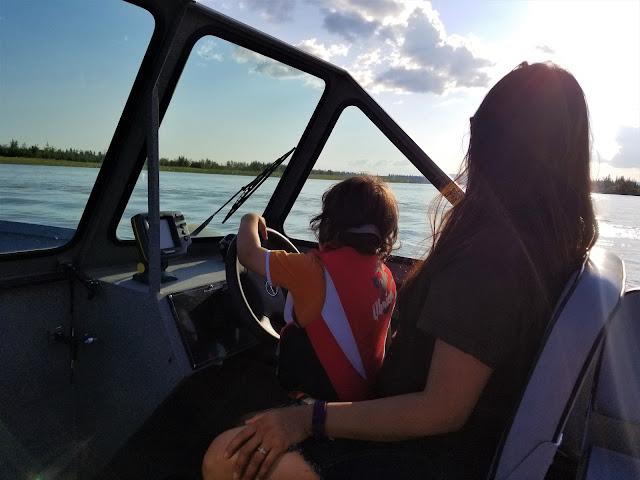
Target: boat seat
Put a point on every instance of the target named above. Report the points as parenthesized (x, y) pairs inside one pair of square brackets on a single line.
[(570, 344), (605, 464), (612, 447)]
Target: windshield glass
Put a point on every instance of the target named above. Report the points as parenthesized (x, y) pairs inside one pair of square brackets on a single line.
[(356, 146), (66, 69), (233, 113)]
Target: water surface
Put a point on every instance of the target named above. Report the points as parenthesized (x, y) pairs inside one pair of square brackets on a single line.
[(57, 196)]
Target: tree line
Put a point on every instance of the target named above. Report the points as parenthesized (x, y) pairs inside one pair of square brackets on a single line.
[(619, 185), (14, 149)]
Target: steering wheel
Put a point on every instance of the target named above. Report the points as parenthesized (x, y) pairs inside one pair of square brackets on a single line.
[(259, 305)]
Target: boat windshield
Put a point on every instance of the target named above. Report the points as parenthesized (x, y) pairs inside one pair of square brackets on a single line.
[(67, 69), (233, 113), (356, 145)]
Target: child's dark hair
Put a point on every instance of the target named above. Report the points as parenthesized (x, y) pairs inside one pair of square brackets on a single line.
[(360, 212)]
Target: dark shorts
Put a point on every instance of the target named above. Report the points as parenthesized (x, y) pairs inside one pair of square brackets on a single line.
[(350, 459), (299, 367)]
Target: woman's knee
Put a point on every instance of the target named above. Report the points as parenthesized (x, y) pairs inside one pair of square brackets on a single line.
[(214, 465)]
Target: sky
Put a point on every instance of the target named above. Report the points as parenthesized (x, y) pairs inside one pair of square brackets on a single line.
[(66, 69), (429, 64)]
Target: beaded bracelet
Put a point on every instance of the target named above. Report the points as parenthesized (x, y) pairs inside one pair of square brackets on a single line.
[(318, 419)]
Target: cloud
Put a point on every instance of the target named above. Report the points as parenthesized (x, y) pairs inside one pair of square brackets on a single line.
[(349, 25), (422, 36), (398, 46), (261, 65), (418, 80), (375, 8), (206, 49), (273, 11), (546, 49), (264, 65), (407, 40), (427, 48), (629, 154), (319, 50)]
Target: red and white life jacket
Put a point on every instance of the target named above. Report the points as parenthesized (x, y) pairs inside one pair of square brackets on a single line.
[(349, 336)]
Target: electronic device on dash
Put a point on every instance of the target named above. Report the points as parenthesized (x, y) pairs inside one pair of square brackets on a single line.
[(174, 241)]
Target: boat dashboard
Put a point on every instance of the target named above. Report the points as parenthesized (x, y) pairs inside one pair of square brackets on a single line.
[(195, 306)]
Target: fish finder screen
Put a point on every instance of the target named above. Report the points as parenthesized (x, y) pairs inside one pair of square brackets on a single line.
[(166, 240), (174, 234), (174, 240)]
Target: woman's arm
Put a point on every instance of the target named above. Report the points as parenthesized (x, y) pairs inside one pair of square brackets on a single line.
[(251, 254), (454, 384)]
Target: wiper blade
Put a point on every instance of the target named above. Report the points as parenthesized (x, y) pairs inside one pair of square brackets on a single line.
[(251, 187), (246, 192)]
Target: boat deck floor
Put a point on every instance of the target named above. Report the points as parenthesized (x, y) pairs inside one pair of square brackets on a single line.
[(173, 441)]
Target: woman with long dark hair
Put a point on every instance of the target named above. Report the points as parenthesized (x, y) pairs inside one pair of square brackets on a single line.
[(472, 314)]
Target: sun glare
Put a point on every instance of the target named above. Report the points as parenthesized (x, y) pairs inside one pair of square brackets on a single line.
[(599, 42)]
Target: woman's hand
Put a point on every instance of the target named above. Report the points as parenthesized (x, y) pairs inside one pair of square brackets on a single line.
[(266, 437)]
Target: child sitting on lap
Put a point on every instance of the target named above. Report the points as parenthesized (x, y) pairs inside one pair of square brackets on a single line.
[(341, 296)]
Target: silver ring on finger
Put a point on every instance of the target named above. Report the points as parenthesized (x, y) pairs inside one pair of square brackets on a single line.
[(262, 450)]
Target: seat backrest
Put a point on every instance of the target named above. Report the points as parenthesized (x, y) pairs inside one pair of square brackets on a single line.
[(612, 444), (617, 391), (574, 335)]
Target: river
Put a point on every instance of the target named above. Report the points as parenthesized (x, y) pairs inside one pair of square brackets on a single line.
[(57, 196)]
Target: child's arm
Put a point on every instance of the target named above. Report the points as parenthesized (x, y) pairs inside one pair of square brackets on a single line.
[(251, 254)]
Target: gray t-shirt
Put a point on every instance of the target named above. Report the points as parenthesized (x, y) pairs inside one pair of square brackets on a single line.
[(485, 300)]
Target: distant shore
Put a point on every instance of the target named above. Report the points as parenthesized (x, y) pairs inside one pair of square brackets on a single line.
[(218, 171), (618, 186)]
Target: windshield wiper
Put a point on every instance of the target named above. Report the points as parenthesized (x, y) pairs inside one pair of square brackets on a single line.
[(246, 191)]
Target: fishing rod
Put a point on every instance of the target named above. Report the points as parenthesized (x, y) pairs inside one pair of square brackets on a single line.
[(245, 191)]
